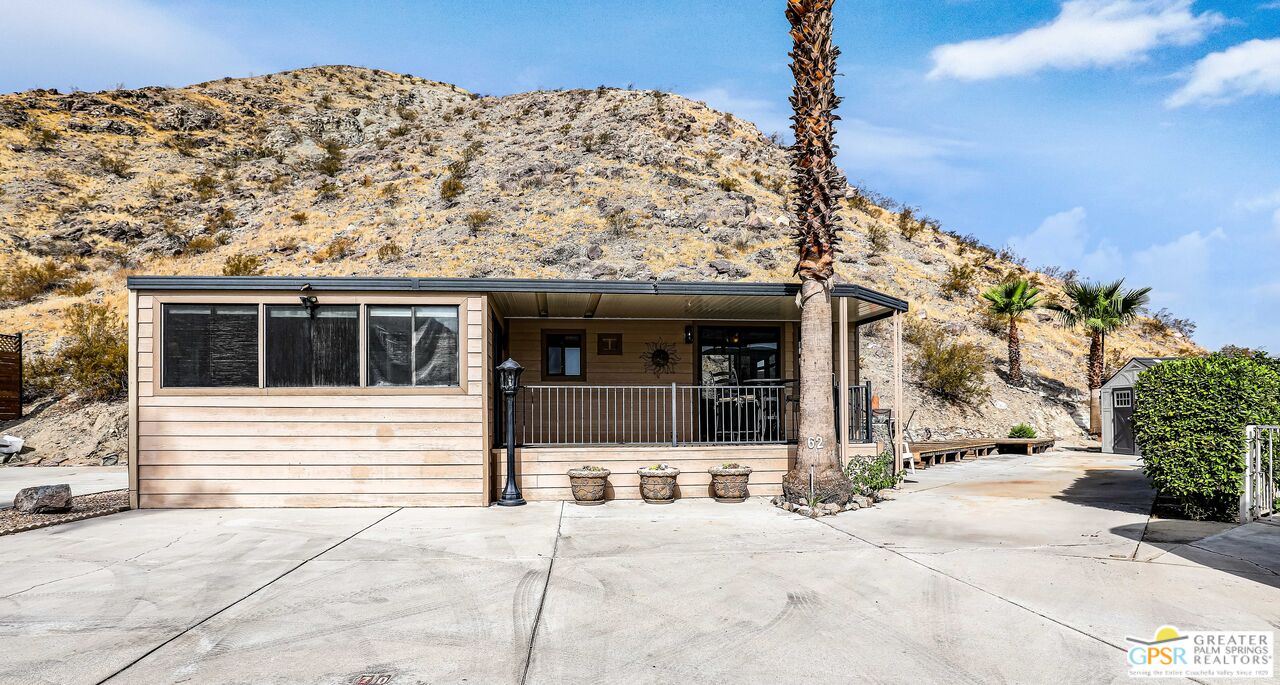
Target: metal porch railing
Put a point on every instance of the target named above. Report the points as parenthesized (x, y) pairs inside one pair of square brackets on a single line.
[(672, 414)]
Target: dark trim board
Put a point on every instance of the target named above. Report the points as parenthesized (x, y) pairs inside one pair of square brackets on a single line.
[(503, 285)]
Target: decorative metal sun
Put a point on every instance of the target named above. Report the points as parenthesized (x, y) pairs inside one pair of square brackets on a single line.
[(659, 357)]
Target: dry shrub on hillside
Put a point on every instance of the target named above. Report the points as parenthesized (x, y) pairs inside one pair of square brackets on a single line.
[(94, 364), (878, 236), (24, 281), (729, 184), (201, 243), (78, 287), (952, 369), (960, 279), (389, 251), (242, 265), (451, 188), (477, 220), (336, 249)]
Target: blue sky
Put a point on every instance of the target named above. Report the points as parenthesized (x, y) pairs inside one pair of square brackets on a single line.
[(1120, 137)]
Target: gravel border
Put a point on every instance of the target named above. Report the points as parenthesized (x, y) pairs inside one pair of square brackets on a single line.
[(82, 507)]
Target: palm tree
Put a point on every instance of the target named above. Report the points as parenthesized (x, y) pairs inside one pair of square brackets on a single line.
[(816, 184), (1099, 308), (1011, 300)]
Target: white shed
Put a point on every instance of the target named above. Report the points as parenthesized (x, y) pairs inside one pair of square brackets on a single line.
[(1117, 406)]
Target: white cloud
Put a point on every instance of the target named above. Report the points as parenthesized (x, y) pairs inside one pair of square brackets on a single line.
[(1177, 270), (864, 148), (92, 44), (768, 115), (1250, 68), (1063, 239), (1086, 33)]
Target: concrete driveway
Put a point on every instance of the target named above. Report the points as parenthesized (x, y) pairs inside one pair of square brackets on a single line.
[(1014, 569), (84, 480)]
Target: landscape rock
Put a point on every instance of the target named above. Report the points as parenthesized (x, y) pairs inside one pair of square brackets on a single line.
[(43, 499)]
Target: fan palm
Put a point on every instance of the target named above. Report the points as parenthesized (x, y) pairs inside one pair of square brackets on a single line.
[(1099, 308), (816, 185), (1011, 300)]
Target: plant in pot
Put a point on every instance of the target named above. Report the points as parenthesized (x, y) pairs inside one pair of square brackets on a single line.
[(658, 483), (588, 484), (729, 482)]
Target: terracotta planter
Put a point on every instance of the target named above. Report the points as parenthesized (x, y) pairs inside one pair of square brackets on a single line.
[(658, 486), (729, 484), (588, 485)]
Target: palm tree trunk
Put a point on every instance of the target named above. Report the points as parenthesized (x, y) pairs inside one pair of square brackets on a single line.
[(817, 472), (1096, 362), (1015, 353), (814, 206)]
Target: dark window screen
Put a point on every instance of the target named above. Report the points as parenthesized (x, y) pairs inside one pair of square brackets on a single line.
[(413, 346), (564, 355), (311, 348), (210, 346)]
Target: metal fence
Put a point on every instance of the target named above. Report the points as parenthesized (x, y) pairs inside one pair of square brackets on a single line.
[(667, 414), (1259, 495), (10, 377)]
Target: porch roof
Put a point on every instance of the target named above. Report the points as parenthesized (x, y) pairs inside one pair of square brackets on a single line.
[(564, 298)]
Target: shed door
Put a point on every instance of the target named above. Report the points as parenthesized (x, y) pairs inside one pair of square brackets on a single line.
[(1122, 420)]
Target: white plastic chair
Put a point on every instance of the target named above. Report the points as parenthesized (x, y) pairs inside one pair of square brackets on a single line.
[(908, 461)]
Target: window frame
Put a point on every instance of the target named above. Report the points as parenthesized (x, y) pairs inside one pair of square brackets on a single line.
[(1127, 393), (365, 335), (465, 317), (544, 358), (160, 349)]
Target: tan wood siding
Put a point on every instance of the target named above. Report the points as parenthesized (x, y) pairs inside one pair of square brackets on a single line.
[(260, 447)]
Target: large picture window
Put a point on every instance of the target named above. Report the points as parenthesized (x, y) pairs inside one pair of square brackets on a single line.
[(312, 346), (413, 346), (210, 346)]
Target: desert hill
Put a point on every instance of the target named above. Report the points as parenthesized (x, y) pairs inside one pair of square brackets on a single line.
[(344, 171)]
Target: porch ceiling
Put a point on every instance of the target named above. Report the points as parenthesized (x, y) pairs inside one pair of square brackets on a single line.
[(692, 307)]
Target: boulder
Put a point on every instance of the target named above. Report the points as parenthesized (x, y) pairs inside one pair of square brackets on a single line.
[(43, 499)]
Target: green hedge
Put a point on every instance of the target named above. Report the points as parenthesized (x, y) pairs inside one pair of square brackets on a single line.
[(1189, 418)]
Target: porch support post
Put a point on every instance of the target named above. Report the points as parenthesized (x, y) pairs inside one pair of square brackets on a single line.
[(897, 391), (843, 397)]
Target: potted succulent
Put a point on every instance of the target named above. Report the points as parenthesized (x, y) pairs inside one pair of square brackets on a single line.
[(658, 483), (729, 482), (588, 484)]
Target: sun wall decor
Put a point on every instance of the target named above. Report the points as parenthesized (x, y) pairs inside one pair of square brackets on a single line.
[(659, 357)]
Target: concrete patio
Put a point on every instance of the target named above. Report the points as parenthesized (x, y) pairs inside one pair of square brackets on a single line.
[(1011, 568)]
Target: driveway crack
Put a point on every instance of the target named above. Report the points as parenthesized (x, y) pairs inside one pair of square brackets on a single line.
[(260, 588), (537, 616)]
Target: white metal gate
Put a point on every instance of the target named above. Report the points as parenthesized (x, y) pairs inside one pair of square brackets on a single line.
[(1259, 496)]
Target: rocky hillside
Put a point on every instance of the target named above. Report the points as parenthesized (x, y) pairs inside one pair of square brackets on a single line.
[(341, 170)]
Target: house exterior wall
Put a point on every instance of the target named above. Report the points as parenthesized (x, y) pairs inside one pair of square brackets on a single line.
[(308, 447)]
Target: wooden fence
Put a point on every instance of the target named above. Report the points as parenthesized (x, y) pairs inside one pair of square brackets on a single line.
[(10, 377)]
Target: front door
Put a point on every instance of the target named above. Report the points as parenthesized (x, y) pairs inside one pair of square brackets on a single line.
[(1122, 420), (736, 367)]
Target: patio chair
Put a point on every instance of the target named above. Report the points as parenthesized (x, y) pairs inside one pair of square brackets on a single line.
[(908, 461)]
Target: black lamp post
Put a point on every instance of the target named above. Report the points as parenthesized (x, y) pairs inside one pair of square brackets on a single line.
[(509, 380)]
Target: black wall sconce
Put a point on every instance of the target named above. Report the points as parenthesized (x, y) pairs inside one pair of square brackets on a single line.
[(688, 334)]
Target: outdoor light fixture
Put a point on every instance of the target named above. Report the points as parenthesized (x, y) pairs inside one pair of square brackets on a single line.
[(310, 302), (688, 334), (509, 382)]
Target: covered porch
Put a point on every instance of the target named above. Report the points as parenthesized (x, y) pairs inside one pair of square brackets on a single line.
[(624, 375)]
